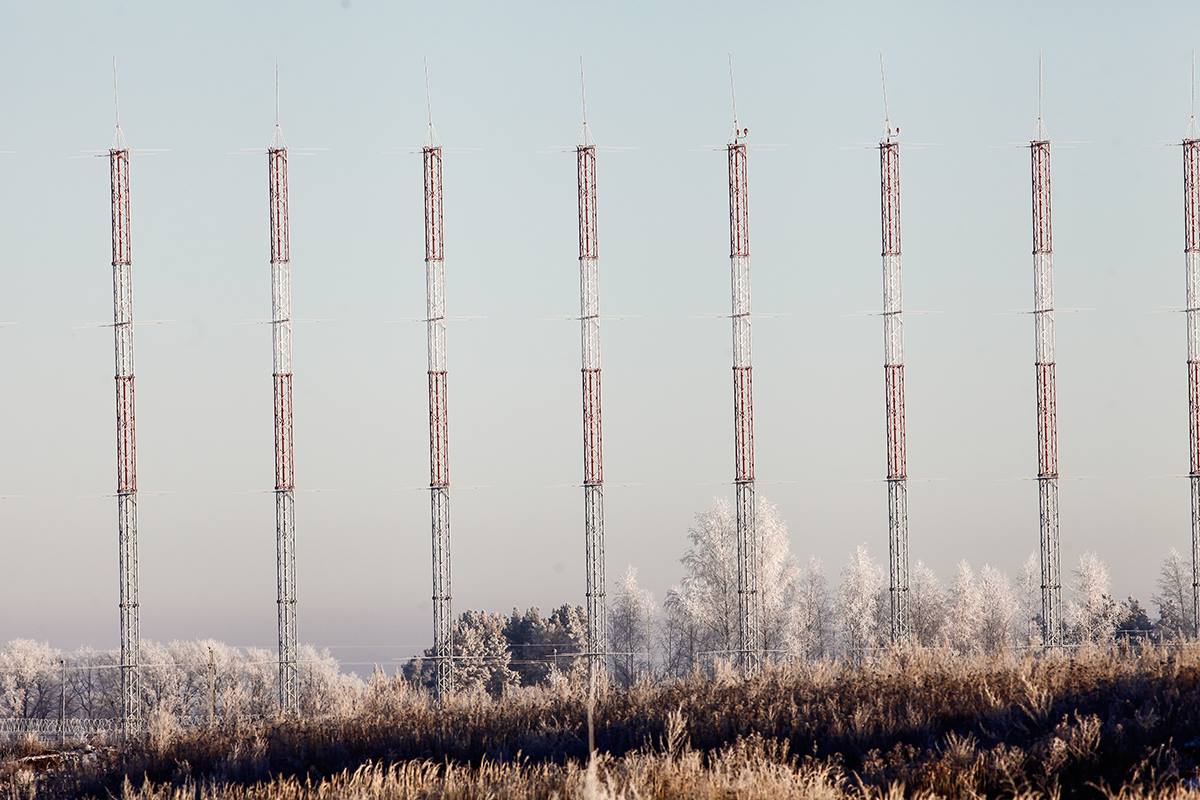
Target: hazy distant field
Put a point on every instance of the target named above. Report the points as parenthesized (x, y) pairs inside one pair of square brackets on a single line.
[(1093, 722)]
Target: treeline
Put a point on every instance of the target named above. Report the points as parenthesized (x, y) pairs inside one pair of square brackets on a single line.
[(807, 618), (694, 629)]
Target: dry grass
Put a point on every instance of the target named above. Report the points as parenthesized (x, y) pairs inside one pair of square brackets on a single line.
[(1094, 723)]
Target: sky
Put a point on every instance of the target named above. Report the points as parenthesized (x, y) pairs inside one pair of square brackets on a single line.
[(197, 82)]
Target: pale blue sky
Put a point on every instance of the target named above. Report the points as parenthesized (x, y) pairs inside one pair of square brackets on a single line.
[(504, 80)]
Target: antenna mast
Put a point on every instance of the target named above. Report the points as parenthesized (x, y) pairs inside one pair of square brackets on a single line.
[(285, 483), (593, 438), (1191, 254), (1047, 409), (748, 546), (122, 265), (893, 376), (439, 444)]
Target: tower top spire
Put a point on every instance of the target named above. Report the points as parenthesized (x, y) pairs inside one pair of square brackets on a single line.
[(118, 134), (739, 133), (585, 133), (431, 139), (277, 135), (1192, 131), (887, 119), (1041, 123)]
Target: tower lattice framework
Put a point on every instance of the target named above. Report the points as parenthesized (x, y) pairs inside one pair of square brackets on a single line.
[(893, 377), (1191, 249), (439, 446), (285, 479), (122, 265), (593, 438), (1047, 410), (749, 556)]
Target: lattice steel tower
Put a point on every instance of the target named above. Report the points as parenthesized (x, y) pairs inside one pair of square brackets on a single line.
[(893, 381), (285, 481), (1047, 411), (593, 438), (749, 555), (439, 445), (1191, 254), (122, 265)]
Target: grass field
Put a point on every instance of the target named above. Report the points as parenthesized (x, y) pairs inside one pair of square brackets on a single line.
[(1089, 723)]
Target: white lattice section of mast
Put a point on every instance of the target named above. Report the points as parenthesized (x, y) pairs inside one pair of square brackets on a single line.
[(1191, 249), (122, 264), (748, 550), (893, 376), (439, 449), (593, 438), (1047, 412), (285, 485)]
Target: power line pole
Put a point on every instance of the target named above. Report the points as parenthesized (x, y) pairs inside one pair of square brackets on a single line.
[(212, 687), (62, 702)]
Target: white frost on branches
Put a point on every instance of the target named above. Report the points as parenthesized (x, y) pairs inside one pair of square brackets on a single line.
[(1093, 614), (859, 610), (1174, 597), (997, 630), (926, 606), (964, 618), (707, 598), (631, 629)]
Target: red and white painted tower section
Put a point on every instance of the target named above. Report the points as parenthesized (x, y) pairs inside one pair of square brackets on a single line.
[(285, 476), (893, 378), (1047, 411), (748, 549), (593, 436), (439, 444), (122, 265), (1191, 252)]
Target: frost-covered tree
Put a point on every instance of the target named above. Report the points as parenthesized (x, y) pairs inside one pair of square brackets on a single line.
[(29, 678), (1092, 614), (679, 637), (1029, 602), (1136, 624), (1174, 597), (544, 642), (965, 612), (926, 606), (92, 691), (997, 630), (323, 687), (778, 581), (163, 679), (707, 595), (811, 631), (858, 611), (482, 654), (482, 657), (193, 679), (631, 629)]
